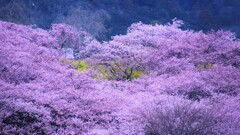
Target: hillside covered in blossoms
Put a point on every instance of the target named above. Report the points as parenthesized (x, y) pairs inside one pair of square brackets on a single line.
[(155, 80)]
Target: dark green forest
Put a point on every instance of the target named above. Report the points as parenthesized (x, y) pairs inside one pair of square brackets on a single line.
[(106, 18)]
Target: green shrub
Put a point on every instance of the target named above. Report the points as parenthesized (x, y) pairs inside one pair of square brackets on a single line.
[(80, 65), (117, 71), (111, 71), (204, 66)]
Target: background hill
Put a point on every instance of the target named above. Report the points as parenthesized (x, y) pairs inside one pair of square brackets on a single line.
[(105, 18)]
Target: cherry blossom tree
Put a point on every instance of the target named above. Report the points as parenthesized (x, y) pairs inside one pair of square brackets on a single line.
[(190, 82)]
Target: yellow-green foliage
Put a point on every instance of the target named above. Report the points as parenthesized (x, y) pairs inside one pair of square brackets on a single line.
[(105, 75), (80, 65), (103, 71), (204, 66), (137, 74), (111, 72), (118, 70)]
